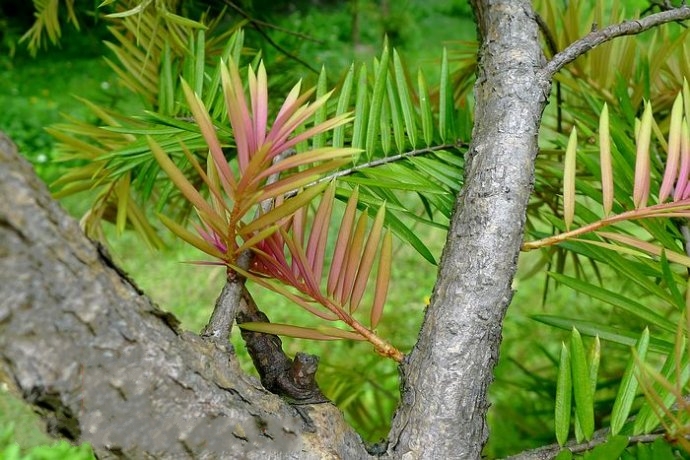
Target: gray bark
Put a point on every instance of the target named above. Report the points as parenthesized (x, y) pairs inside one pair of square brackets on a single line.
[(107, 367), (446, 377)]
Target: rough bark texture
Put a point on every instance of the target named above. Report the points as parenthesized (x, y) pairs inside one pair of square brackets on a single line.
[(107, 367), (444, 400)]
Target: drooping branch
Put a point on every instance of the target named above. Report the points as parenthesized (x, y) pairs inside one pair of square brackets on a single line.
[(597, 37)]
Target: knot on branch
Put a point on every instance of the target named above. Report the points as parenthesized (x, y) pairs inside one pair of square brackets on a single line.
[(294, 380)]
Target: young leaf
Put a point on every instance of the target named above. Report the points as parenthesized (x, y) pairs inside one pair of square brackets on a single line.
[(209, 132), (609, 333), (582, 389), (367, 260), (628, 387), (187, 189), (122, 190), (166, 94), (445, 107), (605, 160), (340, 250), (189, 237), (257, 237), (361, 108), (673, 159), (385, 127), (682, 189), (310, 156), (405, 101), (354, 252), (319, 139), (625, 303), (316, 246), (647, 247), (594, 359), (564, 454), (670, 282), (258, 93), (569, 179), (199, 61), (316, 310), (382, 279), (648, 419), (425, 109), (564, 386), (238, 113), (299, 260), (642, 167), (396, 117), (612, 448), (377, 102), (343, 103), (284, 210)]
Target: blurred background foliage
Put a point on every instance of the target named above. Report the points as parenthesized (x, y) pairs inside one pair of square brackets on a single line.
[(41, 87)]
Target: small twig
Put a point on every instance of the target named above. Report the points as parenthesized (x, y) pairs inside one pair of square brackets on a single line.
[(268, 25), (376, 163), (553, 47), (600, 437), (662, 209), (663, 5), (257, 26), (596, 38), (267, 204), (220, 324), (383, 161)]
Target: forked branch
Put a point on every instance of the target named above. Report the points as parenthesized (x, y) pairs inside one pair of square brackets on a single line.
[(598, 37)]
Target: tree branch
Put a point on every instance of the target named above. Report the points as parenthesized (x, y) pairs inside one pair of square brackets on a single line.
[(600, 437), (597, 37)]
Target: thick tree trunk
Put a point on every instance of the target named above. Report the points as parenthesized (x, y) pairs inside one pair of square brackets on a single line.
[(447, 374), (106, 366)]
